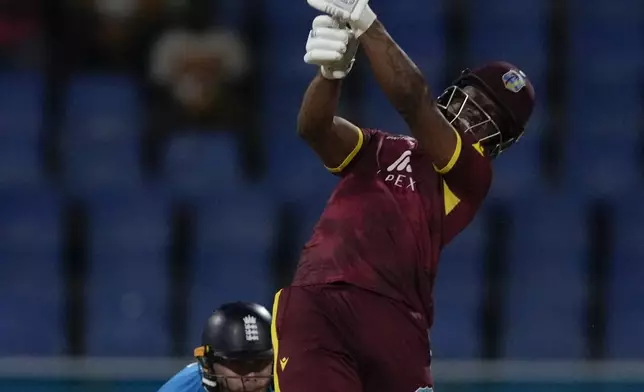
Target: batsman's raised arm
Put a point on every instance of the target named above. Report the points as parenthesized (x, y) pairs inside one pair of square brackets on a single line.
[(399, 78), (405, 87), (336, 141)]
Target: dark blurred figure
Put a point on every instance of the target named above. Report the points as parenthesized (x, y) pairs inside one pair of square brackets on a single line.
[(21, 34), (196, 70), (109, 35)]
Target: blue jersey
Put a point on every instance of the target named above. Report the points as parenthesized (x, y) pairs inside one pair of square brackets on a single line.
[(187, 380)]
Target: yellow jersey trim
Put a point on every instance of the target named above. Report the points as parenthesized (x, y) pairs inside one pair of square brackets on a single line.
[(275, 340), (351, 155), (455, 155), (449, 199), (477, 146)]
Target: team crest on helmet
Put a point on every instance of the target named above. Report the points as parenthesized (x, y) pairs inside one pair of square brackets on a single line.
[(514, 80)]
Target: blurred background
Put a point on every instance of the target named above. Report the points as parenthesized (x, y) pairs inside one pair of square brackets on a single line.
[(150, 170)]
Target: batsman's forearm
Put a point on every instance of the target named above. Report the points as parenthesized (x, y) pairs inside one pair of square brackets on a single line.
[(318, 106), (398, 76)]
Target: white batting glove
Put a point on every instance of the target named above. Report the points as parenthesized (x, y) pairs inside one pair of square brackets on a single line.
[(356, 12), (332, 46)]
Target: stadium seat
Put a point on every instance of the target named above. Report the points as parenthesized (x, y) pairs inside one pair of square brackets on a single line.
[(21, 112), (609, 33), (198, 165), (458, 295), (546, 294), (233, 249), (103, 109), (625, 323), (281, 100), (517, 170), (418, 27), (101, 132), (21, 107), (502, 30), (605, 115), (95, 170), (127, 285), (20, 165), (607, 166), (31, 288), (295, 172), (284, 67), (30, 222), (287, 24)]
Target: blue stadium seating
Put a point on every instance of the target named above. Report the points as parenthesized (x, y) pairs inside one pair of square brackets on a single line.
[(127, 277), (103, 109), (604, 98), (417, 26), (21, 113), (281, 100), (605, 166), (101, 132), (547, 278), (31, 288), (517, 170), (287, 25), (21, 107), (20, 165), (296, 174), (90, 171), (127, 312), (234, 241), (198, 165), (458, 295), (506, 30), (625, 321)]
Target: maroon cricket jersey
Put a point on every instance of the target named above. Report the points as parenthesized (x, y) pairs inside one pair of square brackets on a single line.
[(386, 222)]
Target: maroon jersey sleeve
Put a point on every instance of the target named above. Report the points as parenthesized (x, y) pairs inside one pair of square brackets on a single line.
[(364, 137), (466, 181)]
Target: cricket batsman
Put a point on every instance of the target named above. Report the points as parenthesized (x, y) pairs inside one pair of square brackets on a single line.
[(358, 312)]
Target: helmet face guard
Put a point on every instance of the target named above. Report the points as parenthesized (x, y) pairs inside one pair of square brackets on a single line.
[(214, 382), (468, 116)]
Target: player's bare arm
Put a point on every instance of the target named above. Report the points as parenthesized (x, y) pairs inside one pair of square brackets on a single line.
[(399, 78), (405, 87), (332, 138), (332, 47)]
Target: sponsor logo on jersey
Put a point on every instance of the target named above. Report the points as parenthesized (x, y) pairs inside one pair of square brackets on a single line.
[(403, 163), (399, 172)]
